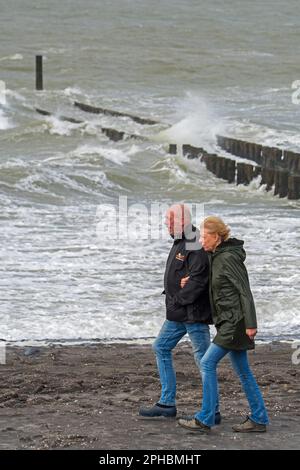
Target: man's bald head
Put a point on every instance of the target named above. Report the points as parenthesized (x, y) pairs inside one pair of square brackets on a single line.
[(178, 216)]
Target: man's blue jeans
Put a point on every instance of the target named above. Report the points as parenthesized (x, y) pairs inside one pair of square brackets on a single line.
[(240, 364), (168, 337)]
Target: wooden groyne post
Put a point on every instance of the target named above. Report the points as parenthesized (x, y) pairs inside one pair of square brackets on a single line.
[(280, 169), (39, 72)]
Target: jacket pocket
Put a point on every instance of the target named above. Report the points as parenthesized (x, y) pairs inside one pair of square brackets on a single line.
[(222, 307), (179, 264), (230, 314)]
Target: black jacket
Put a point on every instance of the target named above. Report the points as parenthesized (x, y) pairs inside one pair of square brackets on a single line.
[(191, 303)]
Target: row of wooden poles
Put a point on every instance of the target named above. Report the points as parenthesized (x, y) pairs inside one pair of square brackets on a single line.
[(278, 168)]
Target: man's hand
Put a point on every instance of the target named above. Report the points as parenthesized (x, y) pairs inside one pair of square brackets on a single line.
[(251, 332), (184, 281)]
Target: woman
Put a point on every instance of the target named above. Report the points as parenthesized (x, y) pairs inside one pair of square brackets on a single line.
[(234, 316)]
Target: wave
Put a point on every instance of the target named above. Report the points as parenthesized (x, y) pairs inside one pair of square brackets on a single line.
[(5, 121), (71, 91), (96, 166), (12, 57), (253, 132), (197, 123), (29, 179), (114, 155), (57, 126)]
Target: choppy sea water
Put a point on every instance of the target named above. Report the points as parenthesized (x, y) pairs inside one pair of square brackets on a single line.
[(198, 69)]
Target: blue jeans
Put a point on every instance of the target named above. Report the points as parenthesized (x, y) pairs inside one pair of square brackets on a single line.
[(240, 364), (169, 335)]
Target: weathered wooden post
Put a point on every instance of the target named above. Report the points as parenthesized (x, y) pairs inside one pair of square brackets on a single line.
[(270, 158), (173, 149), (241, 174), (39, 72), (294, 187), (246, 173), (191, 152), (281, 183), (231, 169)]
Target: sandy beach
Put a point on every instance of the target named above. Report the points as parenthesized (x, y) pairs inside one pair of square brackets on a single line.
[(88, 396)]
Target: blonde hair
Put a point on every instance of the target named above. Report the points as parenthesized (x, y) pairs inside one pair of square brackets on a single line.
[(216, 225)]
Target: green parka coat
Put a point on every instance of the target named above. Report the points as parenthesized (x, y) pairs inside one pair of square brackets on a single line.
[(231, 299)]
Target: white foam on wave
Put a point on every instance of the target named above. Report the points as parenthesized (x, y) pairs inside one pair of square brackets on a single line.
[(273, 318), (134, 149), (2, 93), (65, 250), (46, 181), (15, 95), (56, 50), (246, 54), (46, 178), (12, 57), (173, 167), (59, 127), (5, 122), (114, 155), (96, 326), (197, 123), (260, 134), (73, 90)]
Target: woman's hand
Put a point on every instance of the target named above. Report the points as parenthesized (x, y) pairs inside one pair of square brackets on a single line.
[(184, 281), (251, 332)]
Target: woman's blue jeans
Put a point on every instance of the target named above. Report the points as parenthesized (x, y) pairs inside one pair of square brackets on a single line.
[(240, 364), (168, 337)]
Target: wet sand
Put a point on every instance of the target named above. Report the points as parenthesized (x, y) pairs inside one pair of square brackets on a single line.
[(88, 396)]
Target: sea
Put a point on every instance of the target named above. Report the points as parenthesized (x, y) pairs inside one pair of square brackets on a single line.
[(82, 251)]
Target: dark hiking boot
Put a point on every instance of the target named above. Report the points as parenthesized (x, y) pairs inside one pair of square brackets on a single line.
[(194, 425), (158, 410), (218, 418), (249, 426)]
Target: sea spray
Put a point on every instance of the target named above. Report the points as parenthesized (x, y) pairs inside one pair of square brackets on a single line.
[(197, 123)]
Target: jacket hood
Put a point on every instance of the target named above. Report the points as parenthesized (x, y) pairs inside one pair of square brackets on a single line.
[(232, 245)]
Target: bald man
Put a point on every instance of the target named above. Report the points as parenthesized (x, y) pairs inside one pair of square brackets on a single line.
[(187, 309)]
